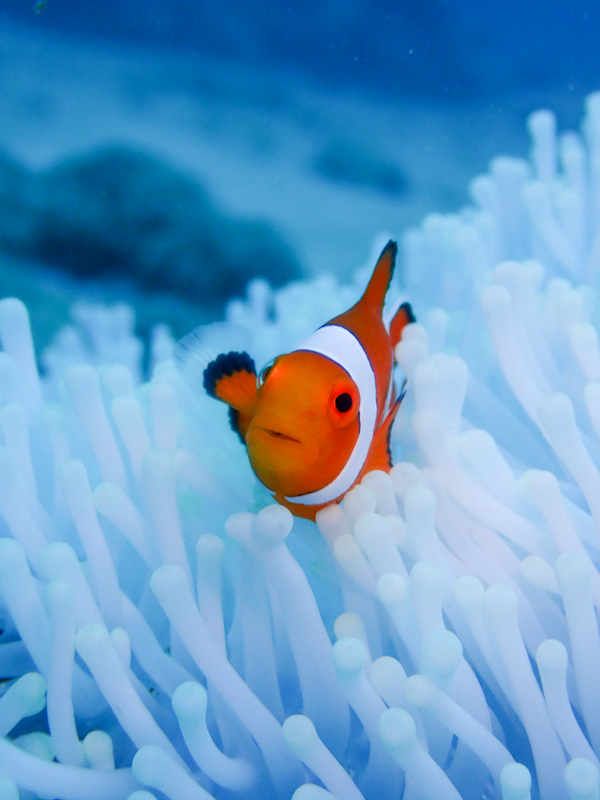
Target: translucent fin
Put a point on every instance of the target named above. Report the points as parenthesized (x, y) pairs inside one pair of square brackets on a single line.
[(196, 350)]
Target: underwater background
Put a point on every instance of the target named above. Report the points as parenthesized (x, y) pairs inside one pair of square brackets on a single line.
[(275, 139), (166, 630)]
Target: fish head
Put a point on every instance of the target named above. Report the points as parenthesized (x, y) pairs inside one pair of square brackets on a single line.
[(305, 425)]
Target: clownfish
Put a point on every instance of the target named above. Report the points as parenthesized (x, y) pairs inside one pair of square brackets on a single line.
[(317, 419)]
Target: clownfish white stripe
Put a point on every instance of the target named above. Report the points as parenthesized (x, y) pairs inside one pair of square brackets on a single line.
[(341, 346)]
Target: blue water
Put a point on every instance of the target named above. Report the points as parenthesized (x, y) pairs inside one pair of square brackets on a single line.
[(310, 127), (452, 49)]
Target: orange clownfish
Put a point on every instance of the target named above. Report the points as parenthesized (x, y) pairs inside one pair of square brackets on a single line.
[(319, 418)]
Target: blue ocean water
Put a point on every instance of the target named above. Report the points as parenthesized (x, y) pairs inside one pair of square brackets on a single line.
[(442, 49), (295, 120)]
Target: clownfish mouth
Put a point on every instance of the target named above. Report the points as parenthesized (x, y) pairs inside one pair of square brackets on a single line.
[(282, 455), (279, 435)]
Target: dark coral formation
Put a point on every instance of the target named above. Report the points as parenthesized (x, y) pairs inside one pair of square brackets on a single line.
[(353, 163), (121, 214)]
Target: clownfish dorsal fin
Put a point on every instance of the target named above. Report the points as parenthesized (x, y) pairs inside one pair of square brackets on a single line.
[(404, 316), (374, 294)]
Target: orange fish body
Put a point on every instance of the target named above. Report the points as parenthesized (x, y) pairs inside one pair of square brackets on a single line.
[(319, 418)]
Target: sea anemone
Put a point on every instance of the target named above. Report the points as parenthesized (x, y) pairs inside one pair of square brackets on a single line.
[(170, 632)]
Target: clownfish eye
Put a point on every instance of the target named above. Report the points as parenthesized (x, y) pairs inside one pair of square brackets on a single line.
[(264, 373), (343, 402)]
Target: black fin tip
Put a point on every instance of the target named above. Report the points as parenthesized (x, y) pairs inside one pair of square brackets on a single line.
[(407, 308), (226, 365), (233, 422)]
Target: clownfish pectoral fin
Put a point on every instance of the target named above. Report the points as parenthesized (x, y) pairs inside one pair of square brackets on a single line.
[(403, 317), (374, 294), (231, 377)]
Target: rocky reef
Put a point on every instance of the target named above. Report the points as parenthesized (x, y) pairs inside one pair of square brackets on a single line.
[(122, 215)]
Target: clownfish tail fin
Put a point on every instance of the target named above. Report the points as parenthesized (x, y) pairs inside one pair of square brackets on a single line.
[(378, 285), (403, 317), (380, 453), (391, 417)]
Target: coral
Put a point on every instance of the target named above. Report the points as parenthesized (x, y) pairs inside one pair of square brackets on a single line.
[(169, 632), (120, 214)]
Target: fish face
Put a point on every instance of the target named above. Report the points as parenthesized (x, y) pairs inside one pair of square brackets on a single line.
[(305, 424)]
